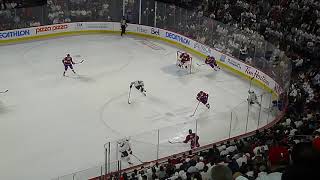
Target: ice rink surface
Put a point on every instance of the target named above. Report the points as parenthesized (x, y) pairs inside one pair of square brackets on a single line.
[(52, 125)]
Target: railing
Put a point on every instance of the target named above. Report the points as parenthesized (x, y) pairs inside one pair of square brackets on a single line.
[(246, 46)]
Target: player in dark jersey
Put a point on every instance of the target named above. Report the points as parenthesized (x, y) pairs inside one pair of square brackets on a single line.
[(68, 62), (124, 25), (203, 98), (211, 61), (193, 139)]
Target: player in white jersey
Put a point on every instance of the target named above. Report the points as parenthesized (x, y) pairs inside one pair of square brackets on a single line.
[(125, 150), (252, 98), (139, 85)]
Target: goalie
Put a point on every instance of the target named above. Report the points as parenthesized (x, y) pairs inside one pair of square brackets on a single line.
[(203, 98), (184, 60), (211, 61), (252, 98), (125, 150), (139, 85)]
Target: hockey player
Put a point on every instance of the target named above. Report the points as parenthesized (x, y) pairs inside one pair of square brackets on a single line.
[(68, 62), (203, 98), (125, 150), (139, 85), (211, 61), (252, 98), (124, 25), (185, 58), (193, 138)]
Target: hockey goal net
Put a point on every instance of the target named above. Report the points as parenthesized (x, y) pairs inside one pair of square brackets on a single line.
[(187, 65)]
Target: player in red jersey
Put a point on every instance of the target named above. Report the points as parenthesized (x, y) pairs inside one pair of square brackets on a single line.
[(184, 58), (211, 61), (68, 62), (193, 138), (203, 98)]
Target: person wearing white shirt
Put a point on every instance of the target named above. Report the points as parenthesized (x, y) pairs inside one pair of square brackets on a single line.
[(200, 165), (231, 149), (221, 148), (241, 160), (205, 174), (271, 176)]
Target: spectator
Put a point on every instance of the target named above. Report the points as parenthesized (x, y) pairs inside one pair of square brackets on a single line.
[(221, 172)]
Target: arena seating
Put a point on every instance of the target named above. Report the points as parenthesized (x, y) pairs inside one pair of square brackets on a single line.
[(289, 149)]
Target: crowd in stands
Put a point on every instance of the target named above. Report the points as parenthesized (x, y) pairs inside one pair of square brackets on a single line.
[(83, 11), (289, 149), (58, 11), (15, 18), (5, 4)]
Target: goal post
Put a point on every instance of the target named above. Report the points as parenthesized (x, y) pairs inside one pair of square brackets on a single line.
[(188, 65)]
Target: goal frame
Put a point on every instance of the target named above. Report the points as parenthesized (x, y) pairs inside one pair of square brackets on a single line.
[(178, 59)]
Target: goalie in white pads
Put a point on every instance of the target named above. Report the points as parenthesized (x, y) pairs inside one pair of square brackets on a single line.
[(125, 150), (252, 98), (184, 60), (139, 85)]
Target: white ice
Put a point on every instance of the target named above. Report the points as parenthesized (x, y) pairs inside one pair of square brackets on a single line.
[(52, 125)]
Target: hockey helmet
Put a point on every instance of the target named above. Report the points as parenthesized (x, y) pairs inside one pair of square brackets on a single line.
[(68, 55)]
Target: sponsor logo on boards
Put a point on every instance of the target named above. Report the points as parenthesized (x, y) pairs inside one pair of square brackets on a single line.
[(256, 74), (51, 28), (178, 38), (17, 33)]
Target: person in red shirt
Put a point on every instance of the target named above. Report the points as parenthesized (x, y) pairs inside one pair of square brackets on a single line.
[(278, 154), (193, 139)]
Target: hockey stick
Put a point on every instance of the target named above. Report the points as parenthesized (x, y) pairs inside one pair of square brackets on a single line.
[(177, 142), (137, 158), (129, 96), (251, 83), (195, 109), (4, 91), (200, 64), (79, 62), (206, 64)]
